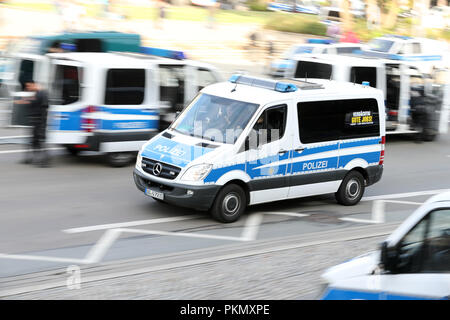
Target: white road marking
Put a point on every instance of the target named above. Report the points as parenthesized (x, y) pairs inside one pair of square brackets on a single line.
[(40, 258), (130, 224), (98, 251), (26, 150), (404, 195), (292, 214), (252, 226), (379, 212), (14, 137)]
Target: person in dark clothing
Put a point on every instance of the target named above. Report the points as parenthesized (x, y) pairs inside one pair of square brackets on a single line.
[(37, 118)]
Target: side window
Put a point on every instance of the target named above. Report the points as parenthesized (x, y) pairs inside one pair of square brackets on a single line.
[(66, 85), (307, 69), (320, 121), (361, 74), (271, 124), (205, 78), (125, 86), (171, 85), (426, 248), (26, 72)]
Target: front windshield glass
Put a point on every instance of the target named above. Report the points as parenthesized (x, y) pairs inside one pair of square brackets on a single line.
[(215, 118), (381, 45)]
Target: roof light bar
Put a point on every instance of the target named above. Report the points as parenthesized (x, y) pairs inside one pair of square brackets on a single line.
[(320, 41), (263, 83), (164, 53)]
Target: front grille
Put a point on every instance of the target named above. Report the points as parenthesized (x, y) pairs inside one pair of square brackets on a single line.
[(167, 171)]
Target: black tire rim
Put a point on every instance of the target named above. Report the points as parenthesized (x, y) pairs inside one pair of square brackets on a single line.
[(231, 204), (353, 189)]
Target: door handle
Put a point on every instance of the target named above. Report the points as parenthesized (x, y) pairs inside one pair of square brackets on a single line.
[(281, 152), (299, 149)]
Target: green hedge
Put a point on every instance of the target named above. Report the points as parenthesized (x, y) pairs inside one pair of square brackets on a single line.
[(257, 5), (298, 23)]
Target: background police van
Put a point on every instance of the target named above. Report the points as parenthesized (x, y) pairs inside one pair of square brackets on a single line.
[(114, 102), (251, 141), (413, 263), (25, 60), (404, 87)]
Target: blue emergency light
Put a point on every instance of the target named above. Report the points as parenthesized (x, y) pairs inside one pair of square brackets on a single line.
[(263, 83), (320, 41), (68, 46), (164, 53)]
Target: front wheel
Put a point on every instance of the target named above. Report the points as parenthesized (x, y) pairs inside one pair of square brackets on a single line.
[(351, 189), (119, 159), (229, 204)]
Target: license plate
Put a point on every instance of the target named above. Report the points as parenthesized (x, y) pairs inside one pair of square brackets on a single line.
[(154, 194)]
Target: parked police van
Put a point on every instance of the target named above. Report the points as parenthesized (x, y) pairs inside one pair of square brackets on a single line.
[(114, 102), (412, 263), (404, 87), (250, 140)]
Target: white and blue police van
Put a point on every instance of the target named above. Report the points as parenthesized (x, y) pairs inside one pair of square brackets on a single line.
[(113, 103), (251, 140), (404, 87), (279, 67), (412, 263)]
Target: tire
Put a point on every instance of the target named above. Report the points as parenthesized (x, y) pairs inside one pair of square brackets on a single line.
[(230, 204), (72, 150), (119, 159), (351, 189)]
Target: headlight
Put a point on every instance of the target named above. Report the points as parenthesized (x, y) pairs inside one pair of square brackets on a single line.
[(197, 172), (139, 160)]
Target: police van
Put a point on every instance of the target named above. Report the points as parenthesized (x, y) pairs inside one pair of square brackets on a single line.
[(250, 141), (26, 60), (403, 85), (412, 263), (114, 102)]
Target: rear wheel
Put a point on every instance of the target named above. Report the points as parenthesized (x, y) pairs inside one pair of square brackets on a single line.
[(229, 204), (351, 189), (119, 159)]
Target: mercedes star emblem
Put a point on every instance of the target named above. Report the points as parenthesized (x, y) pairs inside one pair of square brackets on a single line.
[(157, 168)]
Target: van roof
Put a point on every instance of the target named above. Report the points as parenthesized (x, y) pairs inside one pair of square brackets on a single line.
[(112, 59), (347, 59), (315, 89)]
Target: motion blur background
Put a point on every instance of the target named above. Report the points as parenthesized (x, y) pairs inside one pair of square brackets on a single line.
[(62, 216)]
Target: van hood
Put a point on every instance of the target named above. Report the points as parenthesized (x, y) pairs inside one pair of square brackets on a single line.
[(359, 266), (181, 154)]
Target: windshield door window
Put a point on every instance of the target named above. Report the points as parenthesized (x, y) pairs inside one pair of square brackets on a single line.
[(426, 248), (66, 86), (125, 87), (215, 118)]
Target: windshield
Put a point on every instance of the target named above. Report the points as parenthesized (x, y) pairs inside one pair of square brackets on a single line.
[(215, 118), (380, 45)]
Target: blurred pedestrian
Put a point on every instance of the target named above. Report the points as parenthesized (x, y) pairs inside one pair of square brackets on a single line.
[(161, 14), (37, 119), (333, 31), (211, 12)]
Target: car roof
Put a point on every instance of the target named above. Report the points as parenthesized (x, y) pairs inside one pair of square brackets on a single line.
[(315, 89), (347, 59)]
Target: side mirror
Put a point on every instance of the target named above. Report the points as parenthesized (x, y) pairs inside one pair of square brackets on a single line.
[(252, 144), (177, 114), (388, 257)]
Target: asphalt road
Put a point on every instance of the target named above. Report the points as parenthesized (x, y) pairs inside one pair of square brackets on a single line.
[(62, 212)]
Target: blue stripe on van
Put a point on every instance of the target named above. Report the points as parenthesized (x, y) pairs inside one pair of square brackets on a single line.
[(360, 143), (65, 121), (346, 294), (370, 157), (134, 111), (133, 124)]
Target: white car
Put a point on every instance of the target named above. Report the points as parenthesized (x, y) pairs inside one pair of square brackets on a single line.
[(412, 263), (279, 67)]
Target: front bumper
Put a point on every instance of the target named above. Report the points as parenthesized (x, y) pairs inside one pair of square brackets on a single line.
[(202, 197)]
